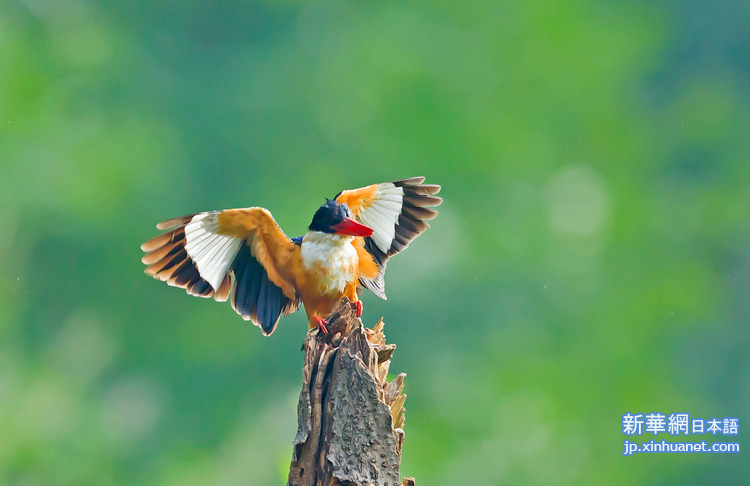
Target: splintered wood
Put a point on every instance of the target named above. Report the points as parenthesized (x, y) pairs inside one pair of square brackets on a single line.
[(350, 419)]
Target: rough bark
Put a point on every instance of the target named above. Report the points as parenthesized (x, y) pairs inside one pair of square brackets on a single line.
[(350, 419)]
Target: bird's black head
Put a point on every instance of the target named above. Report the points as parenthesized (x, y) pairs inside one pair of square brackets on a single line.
[(336, 218), (329, 215)]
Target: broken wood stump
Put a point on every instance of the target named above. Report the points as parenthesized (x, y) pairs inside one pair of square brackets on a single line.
[(350, 419)]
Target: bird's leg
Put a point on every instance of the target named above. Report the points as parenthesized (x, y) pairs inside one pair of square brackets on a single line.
[(358, 306), (321, 324)]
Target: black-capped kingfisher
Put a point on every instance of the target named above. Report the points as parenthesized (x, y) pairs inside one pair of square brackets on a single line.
[(241, 255)]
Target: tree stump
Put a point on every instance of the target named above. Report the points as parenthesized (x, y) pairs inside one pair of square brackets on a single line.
[(350, 419)]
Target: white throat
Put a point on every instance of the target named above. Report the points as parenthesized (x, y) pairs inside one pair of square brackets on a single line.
[(331, 258)]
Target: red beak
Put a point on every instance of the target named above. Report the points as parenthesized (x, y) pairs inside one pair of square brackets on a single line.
[(349, 227)]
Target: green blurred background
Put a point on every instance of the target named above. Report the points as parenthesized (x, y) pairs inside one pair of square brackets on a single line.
[(591, 258)]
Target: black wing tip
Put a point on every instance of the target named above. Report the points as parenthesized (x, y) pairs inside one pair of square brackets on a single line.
[(415, 187), (169, 262), (266, 331), (415, 182), (411, 181)]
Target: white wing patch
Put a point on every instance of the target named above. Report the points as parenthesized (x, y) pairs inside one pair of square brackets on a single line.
[(212, 253), (383, 215)]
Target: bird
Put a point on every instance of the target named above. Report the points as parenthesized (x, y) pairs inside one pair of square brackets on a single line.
[(243, 256)]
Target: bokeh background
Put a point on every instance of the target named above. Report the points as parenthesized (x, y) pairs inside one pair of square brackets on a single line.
[(591, 258)]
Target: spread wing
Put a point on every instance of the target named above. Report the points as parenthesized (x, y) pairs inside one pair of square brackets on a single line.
[(236, 254), (397, 212)]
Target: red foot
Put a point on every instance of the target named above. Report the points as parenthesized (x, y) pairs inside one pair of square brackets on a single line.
[(358, 305), (321, 324)]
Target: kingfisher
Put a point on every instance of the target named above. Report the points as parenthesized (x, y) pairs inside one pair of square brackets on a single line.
[(243, 256)]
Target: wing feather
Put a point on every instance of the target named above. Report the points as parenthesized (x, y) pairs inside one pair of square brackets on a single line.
[(236, 255), (397, 212), (174, 222), (171, 264), (157, 242)]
